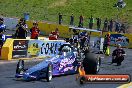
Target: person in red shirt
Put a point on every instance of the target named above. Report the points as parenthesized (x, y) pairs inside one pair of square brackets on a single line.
[(56, 32), (35, 31)]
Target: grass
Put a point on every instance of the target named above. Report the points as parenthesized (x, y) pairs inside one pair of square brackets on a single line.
[(48, 9)]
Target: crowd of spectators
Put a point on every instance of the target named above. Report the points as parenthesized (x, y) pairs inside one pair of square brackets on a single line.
[(93, 23), (21, 30), (97, 23), (2, 30)]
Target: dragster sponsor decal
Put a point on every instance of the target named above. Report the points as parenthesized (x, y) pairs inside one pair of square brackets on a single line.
[(66, 64)]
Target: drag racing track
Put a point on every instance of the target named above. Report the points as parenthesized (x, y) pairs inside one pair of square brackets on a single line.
[(7, 72)]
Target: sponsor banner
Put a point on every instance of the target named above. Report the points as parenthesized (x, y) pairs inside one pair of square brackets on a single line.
[(20, 48), (20, 45), (119, 39), (35, 48), (19, 54), (43, 48)]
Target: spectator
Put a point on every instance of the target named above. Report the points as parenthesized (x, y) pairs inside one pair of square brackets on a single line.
[(2, 26), (123, 28), (80, 21), (57, 32), (67, 40), (54, 35), (35, 31), (2, 30), (118, 55), (72, 20), (105, 25), (83, 38), (106, 42), (111, 25), (60, 18), (98, 23), (118, 26), (75, 34), (21, 31), (91, 22)]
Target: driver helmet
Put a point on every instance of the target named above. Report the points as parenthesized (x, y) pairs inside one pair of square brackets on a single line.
[(66, 49)]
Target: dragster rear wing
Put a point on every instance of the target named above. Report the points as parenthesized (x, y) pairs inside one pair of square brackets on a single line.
[(85, 29)]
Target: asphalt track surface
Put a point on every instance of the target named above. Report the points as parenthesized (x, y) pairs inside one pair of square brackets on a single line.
[(7, 73)]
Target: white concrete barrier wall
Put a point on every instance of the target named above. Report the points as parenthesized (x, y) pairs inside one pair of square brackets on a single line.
[(10, 23)]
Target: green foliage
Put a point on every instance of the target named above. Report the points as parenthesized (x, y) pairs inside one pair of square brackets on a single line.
[(49, 9)]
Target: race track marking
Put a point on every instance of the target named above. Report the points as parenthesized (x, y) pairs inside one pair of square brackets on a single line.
[(129, 85)]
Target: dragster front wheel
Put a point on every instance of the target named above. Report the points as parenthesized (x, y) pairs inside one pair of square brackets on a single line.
[(49, 73), (20, 67)]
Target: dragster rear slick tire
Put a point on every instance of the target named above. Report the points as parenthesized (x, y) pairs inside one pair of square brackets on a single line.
[(92, 65)]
